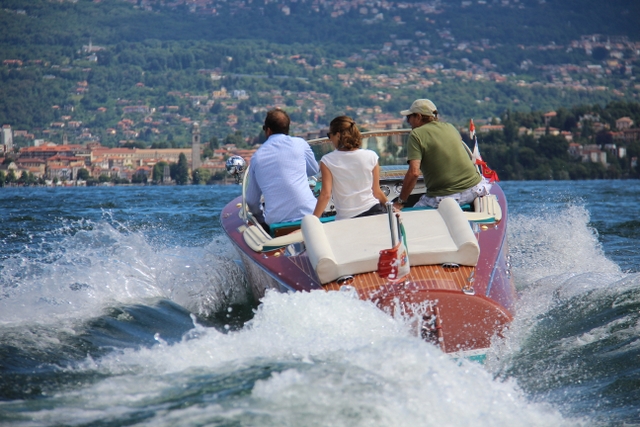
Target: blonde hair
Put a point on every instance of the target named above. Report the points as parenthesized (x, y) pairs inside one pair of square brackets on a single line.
[(350, 137)]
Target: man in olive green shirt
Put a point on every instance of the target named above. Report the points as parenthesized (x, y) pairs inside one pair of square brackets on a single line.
[(436, 150)]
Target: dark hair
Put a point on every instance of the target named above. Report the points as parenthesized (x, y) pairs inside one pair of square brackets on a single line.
[(428, 119), (350, 137), (278, 121)]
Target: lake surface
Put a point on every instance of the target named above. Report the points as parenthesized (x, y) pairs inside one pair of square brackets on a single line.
[(125, 306)]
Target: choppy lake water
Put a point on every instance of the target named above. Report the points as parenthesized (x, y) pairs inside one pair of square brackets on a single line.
[(124, 306)]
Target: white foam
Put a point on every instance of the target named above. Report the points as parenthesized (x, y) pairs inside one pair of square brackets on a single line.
[(553, 243), (555, 256), (334, 361), (103, 267)]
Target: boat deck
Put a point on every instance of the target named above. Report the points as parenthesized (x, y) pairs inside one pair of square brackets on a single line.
[(432, 277)]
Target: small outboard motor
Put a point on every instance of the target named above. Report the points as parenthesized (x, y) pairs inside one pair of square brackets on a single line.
[(235, 167)]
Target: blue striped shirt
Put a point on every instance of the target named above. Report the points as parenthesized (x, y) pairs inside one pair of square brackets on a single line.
[(279, 170)]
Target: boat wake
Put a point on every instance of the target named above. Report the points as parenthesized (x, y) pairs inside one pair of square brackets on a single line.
[(113, 329), (104, 266), (574, 337), (555, 243), (316, 356)]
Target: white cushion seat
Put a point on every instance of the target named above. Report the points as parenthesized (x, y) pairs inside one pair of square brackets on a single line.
[(353, 246)]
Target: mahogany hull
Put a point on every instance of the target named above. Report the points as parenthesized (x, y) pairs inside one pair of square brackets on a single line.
[(460, 309)]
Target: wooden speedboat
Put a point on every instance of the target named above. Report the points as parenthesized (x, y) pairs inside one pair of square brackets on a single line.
[(458, 293)]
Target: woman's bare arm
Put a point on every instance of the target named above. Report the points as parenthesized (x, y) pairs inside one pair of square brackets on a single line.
[(325, 191)]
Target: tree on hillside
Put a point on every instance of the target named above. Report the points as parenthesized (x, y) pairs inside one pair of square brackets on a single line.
[(600, 53), (83, 174), (236, 139), (11, 177), (26, 178), (161, 145), (134, 144), (180, 170), (201, 176), (553, 146), (139, 178), (564, 120), (158, 171)]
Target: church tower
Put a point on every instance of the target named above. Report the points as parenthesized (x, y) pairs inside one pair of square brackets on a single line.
[(195, 147), (6, 139)]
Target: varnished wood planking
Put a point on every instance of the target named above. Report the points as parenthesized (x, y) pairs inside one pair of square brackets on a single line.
[(430, 277)]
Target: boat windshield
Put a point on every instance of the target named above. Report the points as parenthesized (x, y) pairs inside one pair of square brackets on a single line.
[(390, 145)]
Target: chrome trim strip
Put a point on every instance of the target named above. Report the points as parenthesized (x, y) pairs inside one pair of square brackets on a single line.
[(495, 265)]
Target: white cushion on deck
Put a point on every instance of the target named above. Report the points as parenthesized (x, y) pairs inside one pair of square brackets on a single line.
[(353, 246)]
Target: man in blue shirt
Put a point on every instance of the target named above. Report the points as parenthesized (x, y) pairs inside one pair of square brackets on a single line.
[(279, 170)]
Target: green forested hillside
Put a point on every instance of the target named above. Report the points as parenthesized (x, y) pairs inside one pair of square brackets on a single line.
[(527, 22), (518, 156), (474, 59)]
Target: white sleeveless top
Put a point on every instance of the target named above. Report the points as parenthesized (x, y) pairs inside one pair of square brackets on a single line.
[(352, 180)]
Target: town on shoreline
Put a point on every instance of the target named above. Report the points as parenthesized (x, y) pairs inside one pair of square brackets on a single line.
[(51, 164)]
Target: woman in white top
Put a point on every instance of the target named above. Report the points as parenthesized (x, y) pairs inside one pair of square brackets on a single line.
[(350, 174)]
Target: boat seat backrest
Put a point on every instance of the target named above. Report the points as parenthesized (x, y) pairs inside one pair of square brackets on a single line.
[(352, 246)]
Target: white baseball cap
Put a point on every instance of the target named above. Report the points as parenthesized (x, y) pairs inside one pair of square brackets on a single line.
[(421, 106)]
